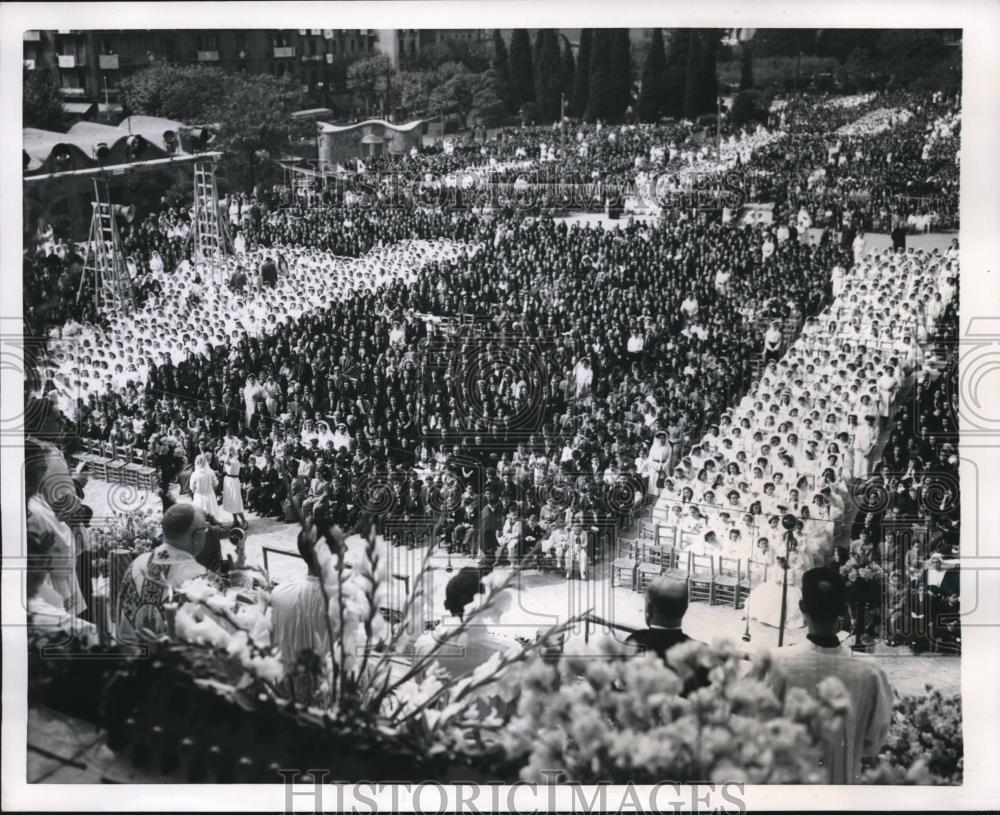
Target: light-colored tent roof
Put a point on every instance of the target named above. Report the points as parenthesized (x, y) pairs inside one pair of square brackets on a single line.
[(38, 144), (326, 127)]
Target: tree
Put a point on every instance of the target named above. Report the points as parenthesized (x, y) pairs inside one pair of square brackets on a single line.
[(599, 105), (42, 104), (746, 66), (373, 82), (487, 98), (185, 93), (568, 68), (548, 75), (415, 92), (653, 94), (675, 75), (702, 85), (620, 74), (581, 78), (256, 126), (501, 67), (522, 73), (453, 91)]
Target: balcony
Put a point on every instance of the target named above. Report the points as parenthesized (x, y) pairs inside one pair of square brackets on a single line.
[(69, 61), (208, 56), (284, 51), (32, 36), (72, 91), (108, 62)]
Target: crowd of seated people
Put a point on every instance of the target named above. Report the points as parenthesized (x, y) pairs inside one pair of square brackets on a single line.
[(803, 442), (911, 528), (337, 346)]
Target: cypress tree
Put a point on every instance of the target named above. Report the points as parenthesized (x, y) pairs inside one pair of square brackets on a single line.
[(746, 66), (522, 73), (548, 75), (702, 85), (502, 68), (676, 72), (581, 78), (599, 106), (620, 74), (568, 69), (652, 94)]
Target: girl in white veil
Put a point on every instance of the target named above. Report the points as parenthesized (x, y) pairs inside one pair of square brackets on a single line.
[(203, 482)]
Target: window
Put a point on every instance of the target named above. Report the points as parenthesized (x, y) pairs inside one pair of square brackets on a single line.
[(108, 46), (282, 39), (241, 42)]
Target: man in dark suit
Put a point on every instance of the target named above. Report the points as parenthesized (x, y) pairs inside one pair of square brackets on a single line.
[(269, 273), (666, 603)]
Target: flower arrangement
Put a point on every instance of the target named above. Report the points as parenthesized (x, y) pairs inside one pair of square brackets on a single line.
[(167, 454), (601, 718), (925, 742), (136, 532), (857, 572), (411, 699)]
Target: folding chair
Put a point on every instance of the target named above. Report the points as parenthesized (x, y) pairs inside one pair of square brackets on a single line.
[(726, 585), (701, 578)]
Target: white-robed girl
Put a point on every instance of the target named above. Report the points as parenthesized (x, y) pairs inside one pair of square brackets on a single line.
[(232, 490), (252, 394), (583, 378), (203, 482), (658, 459)]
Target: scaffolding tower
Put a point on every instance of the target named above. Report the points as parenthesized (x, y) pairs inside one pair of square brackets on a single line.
[(210, 234), (105, 261)]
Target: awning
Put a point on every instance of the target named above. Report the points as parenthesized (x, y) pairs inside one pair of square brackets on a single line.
[(78, 108)]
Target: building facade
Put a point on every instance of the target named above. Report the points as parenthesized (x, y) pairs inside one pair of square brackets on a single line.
[(89, 65)]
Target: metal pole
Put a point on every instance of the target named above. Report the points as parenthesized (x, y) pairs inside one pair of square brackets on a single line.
[(784, 592)]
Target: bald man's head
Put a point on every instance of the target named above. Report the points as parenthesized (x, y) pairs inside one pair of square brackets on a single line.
[(666, 602)]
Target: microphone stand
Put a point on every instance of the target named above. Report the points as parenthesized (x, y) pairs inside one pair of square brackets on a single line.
[(789, 537)]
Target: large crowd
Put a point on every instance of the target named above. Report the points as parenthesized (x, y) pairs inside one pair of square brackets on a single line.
[(420, 362)]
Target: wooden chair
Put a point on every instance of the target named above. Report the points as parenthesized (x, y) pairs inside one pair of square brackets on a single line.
[(623, 567), (688, 539), (756, 573), (116, 466), (98, 462), (678, 564), (130, 475), (701, 578), (666, 535), (645, 574), (726, 585), (140, 473)]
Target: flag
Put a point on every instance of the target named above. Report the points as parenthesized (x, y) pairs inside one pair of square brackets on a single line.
[(361, 166)]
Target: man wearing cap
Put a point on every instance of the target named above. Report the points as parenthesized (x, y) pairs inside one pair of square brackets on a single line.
[(866, 724)]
